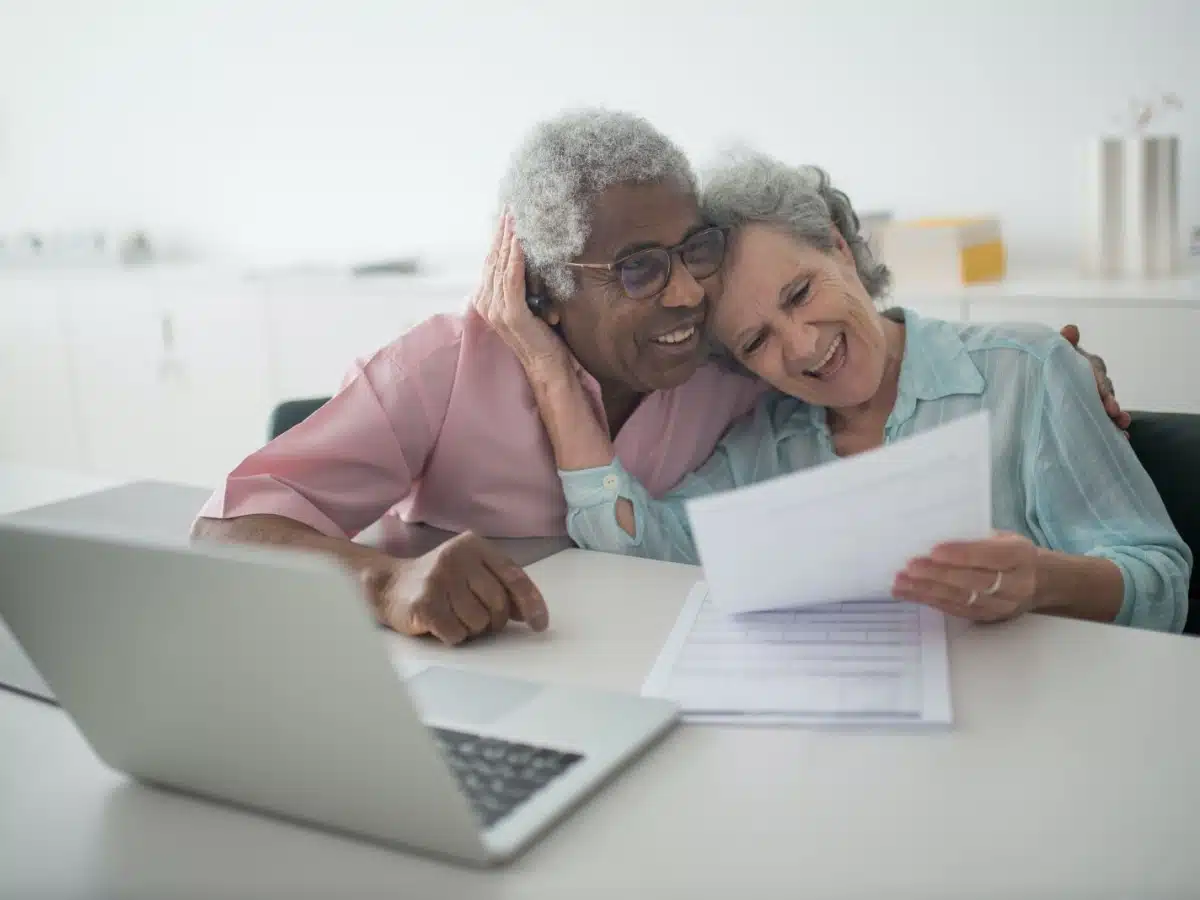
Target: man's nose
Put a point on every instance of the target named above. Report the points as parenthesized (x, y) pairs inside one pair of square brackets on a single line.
[(682, 289)]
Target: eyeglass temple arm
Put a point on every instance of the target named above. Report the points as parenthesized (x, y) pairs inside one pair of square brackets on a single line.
[(573, 265)]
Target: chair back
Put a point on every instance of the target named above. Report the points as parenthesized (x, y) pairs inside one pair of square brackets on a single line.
[(291, 413), (1168, 446)]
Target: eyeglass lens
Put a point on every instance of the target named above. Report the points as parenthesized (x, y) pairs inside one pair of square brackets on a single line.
[(647, 272)]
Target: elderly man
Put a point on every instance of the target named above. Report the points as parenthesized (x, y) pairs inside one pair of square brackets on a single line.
[(440, 426)]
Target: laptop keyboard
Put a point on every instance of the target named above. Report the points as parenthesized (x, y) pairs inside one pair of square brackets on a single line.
[(498, 776)]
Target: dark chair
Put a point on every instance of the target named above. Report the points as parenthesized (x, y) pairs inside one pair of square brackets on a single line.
[(1168, 445), (291, 413)]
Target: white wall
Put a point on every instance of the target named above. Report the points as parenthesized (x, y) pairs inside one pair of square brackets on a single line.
[(287, 130)]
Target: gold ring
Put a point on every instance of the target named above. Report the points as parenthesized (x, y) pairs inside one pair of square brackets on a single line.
[(995, 584)]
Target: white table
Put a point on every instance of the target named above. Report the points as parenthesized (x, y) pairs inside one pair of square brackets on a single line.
[(1071, 771)]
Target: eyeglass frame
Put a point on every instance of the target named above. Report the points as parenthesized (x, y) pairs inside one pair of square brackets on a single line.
[(671, 253)]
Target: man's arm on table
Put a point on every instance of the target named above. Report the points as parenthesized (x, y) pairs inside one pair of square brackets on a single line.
[(339, 471)]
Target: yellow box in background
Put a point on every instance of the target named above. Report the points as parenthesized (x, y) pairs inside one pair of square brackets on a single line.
[(943, 251)]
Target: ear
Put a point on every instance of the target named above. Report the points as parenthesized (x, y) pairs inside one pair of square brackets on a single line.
[(540, 302)]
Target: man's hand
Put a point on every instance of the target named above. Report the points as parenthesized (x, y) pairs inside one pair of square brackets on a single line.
[(1104, 384), (461, 589)]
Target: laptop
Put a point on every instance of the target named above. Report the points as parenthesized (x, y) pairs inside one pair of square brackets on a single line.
[(258, 677), (163, 510), (157, 509)]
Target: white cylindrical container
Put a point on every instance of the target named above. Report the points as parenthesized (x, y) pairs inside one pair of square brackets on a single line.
[(1138, 191), (1104, 216), (1166, 257), (1151, 206)]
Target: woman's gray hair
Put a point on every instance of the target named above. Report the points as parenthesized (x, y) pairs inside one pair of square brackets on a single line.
[(559, 169), (754, 187)]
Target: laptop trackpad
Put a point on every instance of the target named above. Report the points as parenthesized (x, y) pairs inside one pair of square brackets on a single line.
[(469, 698)]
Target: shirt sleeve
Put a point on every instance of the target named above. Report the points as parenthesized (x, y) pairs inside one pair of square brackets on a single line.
[(1091, 496), (661, 526), (357, 456)]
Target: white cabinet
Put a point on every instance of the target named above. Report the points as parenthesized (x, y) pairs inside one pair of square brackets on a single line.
[(1152, 352), (38, 414), (319, 326), (1147, 331), (172, 374)]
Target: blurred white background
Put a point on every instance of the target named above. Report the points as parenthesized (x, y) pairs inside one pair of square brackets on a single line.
[(334, 130)]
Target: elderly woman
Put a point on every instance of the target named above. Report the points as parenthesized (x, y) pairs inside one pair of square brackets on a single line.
[(1081, 530)]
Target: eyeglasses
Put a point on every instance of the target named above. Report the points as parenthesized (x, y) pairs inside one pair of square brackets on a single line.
[(645, 273)]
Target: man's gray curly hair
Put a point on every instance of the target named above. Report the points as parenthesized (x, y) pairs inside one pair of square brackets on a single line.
[(559, 169), (754, 187)]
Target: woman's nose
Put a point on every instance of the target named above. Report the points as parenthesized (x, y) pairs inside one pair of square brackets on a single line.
[(799, 345)]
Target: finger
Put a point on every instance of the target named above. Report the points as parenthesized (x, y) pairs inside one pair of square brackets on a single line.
[(963, 580), (482, 300), (437, 617), (492, 594), (999, 553), (499, 273), (947, 598), (506, 238), (497, 239), (1071, 333), (470, 610), (529, 605), (1099, 366), (958, 600), (515, 276), (910, 595), (1124, 420), (958, 609)]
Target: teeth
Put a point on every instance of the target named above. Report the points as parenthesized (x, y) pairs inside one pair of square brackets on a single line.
[(676, 337), (837, 342)]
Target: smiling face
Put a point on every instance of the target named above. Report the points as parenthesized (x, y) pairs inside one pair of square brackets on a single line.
[(643, 345), (800, 318)]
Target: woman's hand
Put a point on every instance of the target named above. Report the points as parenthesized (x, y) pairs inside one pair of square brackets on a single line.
[(580, 439), (500, 300), (986, 581)]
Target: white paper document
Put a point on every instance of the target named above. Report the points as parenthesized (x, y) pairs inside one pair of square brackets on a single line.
[(868, 663), (841, 531)]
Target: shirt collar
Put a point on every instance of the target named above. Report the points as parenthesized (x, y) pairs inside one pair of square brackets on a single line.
[(936, 364)]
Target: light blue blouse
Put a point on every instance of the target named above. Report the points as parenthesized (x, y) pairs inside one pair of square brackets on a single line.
[(1062, 474)]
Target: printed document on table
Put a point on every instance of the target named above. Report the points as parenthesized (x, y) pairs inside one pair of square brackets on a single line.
[(880, 663), (841, 531)]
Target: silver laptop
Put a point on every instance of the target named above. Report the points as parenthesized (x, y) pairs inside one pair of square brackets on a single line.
[(259, 677), (156, 509), (164, 511)]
